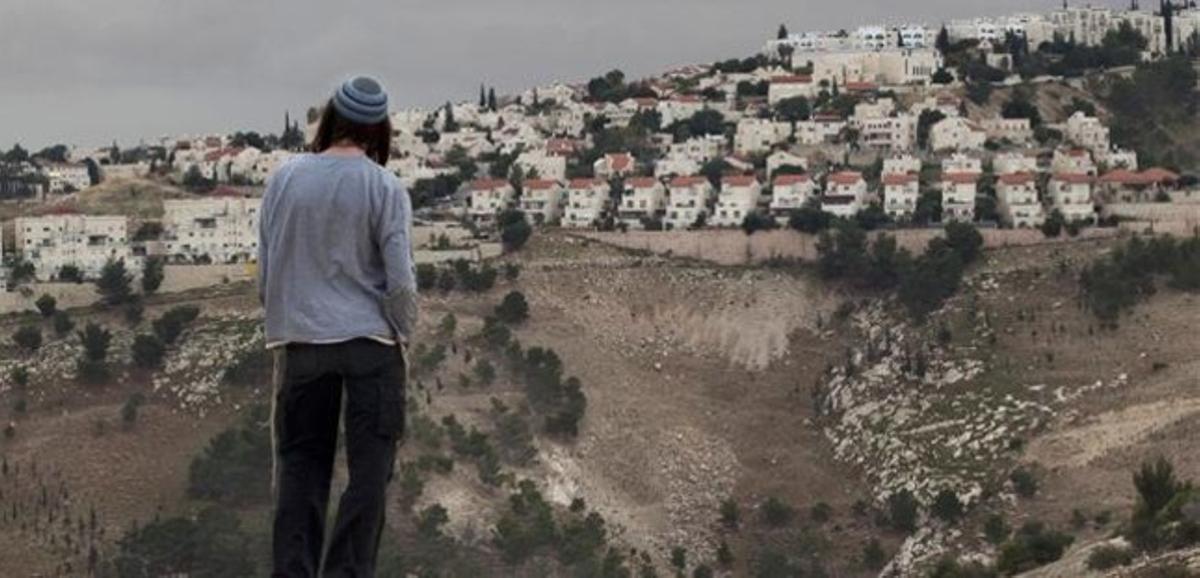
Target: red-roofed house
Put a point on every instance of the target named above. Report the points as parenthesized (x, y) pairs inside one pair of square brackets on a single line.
[(614, 165), (1071, 194), (541, 201), (490, 197), (900, 194), (845, 194), (587, 202), (739, 198), (688, 202), (958, 196), (643, 201), (789, 193), (1017, 200), (1130, 186)]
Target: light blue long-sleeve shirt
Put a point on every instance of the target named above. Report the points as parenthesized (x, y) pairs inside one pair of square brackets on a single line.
[(335, 252)]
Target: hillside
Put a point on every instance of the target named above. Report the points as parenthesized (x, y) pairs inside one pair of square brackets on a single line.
[(704, 385)]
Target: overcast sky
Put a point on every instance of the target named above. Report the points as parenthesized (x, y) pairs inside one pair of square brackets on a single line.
[(87, 72)]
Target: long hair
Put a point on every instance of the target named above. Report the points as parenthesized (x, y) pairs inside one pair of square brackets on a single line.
[(375, 139)]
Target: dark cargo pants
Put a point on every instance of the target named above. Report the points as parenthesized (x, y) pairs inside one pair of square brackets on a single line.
[(309, 400)]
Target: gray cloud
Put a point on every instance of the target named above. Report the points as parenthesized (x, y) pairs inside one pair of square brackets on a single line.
[(89, 72)]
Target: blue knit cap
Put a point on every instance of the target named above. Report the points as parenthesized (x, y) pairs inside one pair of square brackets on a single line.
[(362, 100)]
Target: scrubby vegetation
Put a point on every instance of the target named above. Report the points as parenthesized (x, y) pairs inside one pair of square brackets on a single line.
[(1114, 284)]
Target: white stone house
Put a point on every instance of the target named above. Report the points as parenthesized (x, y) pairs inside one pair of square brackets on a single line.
[(701, 148), (1018, 131), (1073, 161), (956, 134), (614, 165), (789, 193), (1087, 132), (489, 198), (785, 87), (756, 135), (675, 166), (1013, 162), (644, 199), (783, 158), (86, 242), (961, 163), (894, 133), (958, 196), (539, 164), (738, 199), (845, 194), (66, 177), (587, 202), (900, 164), (1071, 194), (220, 229), (1017, 200), (689, 199), (542, 201), (900, 194)]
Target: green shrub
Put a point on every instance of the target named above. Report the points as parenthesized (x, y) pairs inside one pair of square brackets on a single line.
[(902, 511), (47, 305), (1031, 547), (777, 513), (28, 337), (62, 323), (148, 351), (513, 309), (1109, 556)]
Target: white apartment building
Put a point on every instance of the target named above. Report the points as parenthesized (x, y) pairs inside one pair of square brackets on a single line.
[(958, 196), (614, 165), (819, 130), (701, 148), (1071, 194), (1087, 132), (542, 200), (220, 229), (65, 177), (739, 197), (1116, 158), (1017, 200), (845, 194), (962, 163), (900, 164), (756, 135), (785, 87), (489, 198), (789, 193), (900, 194), (1017, 131), (892, 133), (956, 134), (587, 202), (644, 199), (888, 66), (688, 201), (86, 242), (1013, 162)]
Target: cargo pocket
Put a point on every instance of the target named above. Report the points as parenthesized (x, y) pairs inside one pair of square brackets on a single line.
[(391, 398)]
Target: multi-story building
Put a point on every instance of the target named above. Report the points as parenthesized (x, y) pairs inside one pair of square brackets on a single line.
[(901, 164), (1017, 200), (739, 198), (688, 202), (956, 134), (541, 165), (217, 229), (845, 194), (67, 177), (1018, 131), (958, 196), (644, 200), (1087, 132), (1071, 194), (675, 166), (542, 200), (489, 198), (1073, 161), (1012, 162), (893, 133), (587, 202), (783, 158), (961, 163), (83, 241), (785, 87), (756, 135), (900, 194), (789, 193)]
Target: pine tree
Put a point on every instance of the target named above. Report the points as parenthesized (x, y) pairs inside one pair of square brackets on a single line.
[(482, 97), (491, 99), (113, 284), (943, 40), (783, 32)]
